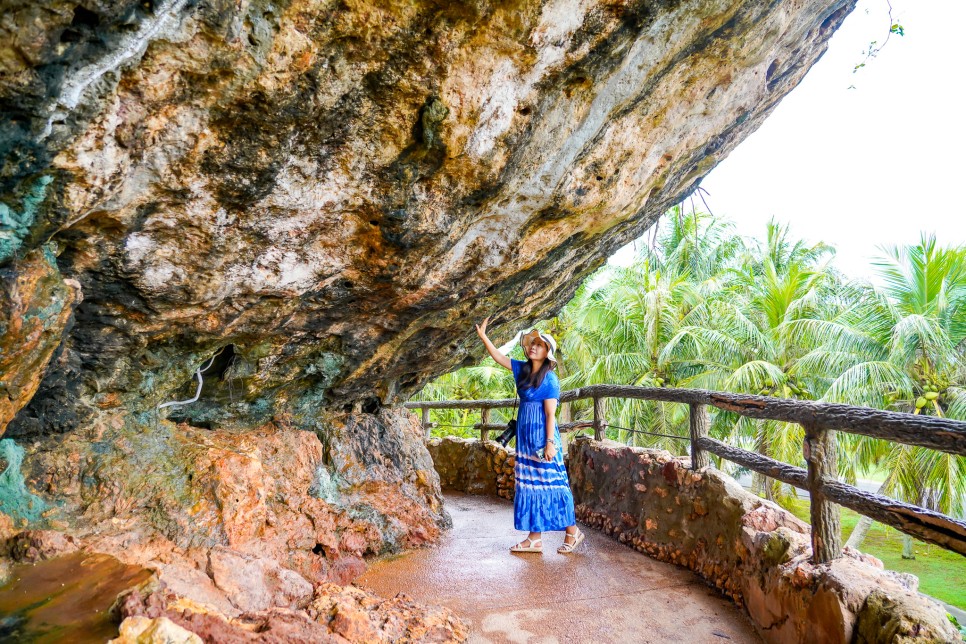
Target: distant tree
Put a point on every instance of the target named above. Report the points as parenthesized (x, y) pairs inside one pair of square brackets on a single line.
[(617, 333)]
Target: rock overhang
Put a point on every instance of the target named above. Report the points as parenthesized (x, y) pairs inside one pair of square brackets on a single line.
[(338, 191)]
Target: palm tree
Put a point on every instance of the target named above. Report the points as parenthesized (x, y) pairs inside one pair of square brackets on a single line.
[(903, 347), (742, 338), (617, 332)]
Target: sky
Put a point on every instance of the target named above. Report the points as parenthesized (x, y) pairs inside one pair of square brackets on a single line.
[(863, 159)]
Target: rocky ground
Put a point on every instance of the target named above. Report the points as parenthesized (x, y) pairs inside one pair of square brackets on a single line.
[(241, 532), (58, 588)]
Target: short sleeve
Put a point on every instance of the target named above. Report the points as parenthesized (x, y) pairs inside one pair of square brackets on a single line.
[(554, 386), (515, 366)]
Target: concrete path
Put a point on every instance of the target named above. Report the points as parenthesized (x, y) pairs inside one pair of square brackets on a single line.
[(606, 592)]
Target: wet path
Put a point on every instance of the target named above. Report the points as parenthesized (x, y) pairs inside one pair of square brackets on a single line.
[(606, 592)]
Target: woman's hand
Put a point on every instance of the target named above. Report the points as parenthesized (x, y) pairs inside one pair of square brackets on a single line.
[(481, 328), (490, 348), (549, 451)]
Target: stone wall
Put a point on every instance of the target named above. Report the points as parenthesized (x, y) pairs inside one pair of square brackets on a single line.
[(467, 465), (751, 549)]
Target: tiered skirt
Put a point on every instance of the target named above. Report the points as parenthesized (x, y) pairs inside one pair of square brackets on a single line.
[(542, 498)]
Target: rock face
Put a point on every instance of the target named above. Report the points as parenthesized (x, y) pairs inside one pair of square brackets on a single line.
[(35, 308), (251, 515), (325, 195), (749, 548)]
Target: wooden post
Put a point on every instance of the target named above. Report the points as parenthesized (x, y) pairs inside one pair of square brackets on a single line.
[(819, 451), (698, 420), (426, 426), (600, 420), (484, 419), (565, 413)]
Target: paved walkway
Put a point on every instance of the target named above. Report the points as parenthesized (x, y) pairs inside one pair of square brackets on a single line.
[(606, 592)]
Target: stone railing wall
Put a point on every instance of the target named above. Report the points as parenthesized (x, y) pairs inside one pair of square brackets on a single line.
[(751, 549), (468, 465)]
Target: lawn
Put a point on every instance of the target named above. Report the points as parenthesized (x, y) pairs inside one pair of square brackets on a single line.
[(942, 574)]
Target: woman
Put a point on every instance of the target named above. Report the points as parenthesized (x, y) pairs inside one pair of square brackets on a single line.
[(541, 498)]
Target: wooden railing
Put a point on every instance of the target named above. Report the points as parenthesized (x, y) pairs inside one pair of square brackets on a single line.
[(819, 479)]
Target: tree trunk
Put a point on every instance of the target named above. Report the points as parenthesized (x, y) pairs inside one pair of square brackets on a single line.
[(907, 551), (861, 528)]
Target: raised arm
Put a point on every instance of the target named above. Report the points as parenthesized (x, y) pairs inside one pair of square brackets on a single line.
[(493, 351)]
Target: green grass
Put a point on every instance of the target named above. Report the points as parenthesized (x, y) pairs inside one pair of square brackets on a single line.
[(877, 473), (941, 573)]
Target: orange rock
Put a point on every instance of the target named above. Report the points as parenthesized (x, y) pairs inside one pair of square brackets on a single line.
[(36, 303), (37, 545)]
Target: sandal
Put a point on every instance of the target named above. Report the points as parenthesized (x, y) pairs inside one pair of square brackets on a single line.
[(567, 548), (536, 545)]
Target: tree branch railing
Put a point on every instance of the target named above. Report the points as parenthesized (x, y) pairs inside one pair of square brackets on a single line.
[(819, 478)]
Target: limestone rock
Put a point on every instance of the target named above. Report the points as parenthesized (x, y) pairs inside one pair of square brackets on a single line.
[(7, 530), (36, 545), (325, 197), (359, 616), (193, 584), (901, 617), (165, 496), (141, 630), (336, 614), (255, 584)]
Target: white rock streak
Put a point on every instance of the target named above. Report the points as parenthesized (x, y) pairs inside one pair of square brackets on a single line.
[(132, 46), (558, 22), (201, 382)]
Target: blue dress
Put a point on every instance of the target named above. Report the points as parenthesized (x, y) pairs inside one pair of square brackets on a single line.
[(541, 497)]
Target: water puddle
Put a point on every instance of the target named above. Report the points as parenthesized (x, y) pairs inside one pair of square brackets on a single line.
[(65, 599)]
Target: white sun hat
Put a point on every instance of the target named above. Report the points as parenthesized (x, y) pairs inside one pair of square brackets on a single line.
[(527, 339)]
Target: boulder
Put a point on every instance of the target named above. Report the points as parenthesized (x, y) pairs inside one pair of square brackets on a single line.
[(141, 630), (255, 584)]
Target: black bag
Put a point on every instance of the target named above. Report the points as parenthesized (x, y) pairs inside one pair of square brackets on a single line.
[(511, 429)]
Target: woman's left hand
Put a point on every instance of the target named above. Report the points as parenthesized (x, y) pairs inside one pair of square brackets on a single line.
[(549, 451)]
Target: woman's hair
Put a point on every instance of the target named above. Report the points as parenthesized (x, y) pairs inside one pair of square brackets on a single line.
[(528, 379)]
